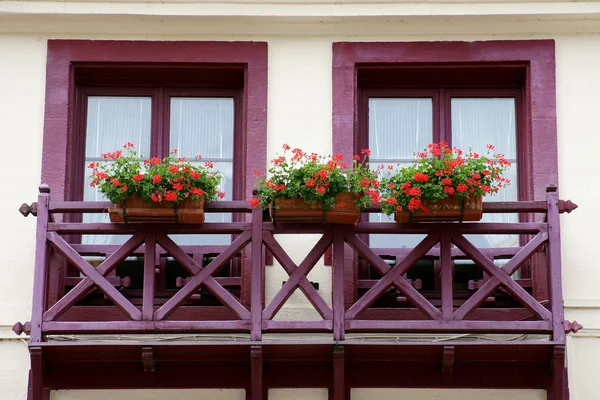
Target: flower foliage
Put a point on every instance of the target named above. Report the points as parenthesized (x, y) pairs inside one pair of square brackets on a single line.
[(440, 172), (123, 174), (317, 179)]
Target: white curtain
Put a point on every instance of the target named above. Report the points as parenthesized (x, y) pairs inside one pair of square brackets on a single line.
[(198, 126), (204, 126), (111, 122), (477, 122), (398, 127)]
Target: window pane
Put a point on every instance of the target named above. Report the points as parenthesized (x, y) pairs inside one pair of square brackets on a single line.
[(398, 127), (204, 126), (480, 121), (112, 121)]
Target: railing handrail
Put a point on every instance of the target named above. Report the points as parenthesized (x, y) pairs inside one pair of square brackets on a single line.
[(241, 206), (102, 206)]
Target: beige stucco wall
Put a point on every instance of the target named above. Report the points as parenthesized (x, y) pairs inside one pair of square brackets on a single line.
[(299, 105)]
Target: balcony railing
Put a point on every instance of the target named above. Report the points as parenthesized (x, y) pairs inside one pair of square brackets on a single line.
[(73, 296)]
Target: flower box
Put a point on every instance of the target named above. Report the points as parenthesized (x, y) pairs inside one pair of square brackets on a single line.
[(448, 209), (313, 188), (295, 209), (136, 209)]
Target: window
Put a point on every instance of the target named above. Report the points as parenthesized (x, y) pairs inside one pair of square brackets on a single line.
[(397, 97), (158, 117), (205, 98), (397, 122), (157, 88)]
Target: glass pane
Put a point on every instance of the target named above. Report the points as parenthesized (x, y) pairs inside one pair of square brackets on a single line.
[(477, 122), (204, 126), (480, 121), (398, 127), (112, 121)]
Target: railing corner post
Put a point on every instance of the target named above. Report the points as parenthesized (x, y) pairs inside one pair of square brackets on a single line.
[(554, 265), (339, 325), (40, 273), (257, 267)]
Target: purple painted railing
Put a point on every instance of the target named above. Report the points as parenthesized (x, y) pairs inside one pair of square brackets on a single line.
[(58, 305)]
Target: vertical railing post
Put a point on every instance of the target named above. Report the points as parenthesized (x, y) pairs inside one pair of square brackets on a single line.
[(149, 277), (554, 266), (40, 272), (257, 267), (338, 283), (447, 278)]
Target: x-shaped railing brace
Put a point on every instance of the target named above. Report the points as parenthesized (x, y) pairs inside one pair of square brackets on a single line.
[(96, 277), (393, 276), (501, 276), (297, 276)]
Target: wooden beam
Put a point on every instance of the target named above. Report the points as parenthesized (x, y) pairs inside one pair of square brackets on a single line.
[(257, 280), (149, 277), (40, 274), (447, 276), (339, 326)]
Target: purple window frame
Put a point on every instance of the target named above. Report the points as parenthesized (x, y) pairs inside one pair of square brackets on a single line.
[(60, 141), (536, 59)]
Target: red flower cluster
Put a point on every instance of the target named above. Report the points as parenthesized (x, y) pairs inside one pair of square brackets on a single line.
[(115, 155), (317, 179), (421, 177), (171, 180), (441, 171)]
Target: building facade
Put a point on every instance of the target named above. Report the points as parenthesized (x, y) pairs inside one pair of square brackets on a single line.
[(235, 81)]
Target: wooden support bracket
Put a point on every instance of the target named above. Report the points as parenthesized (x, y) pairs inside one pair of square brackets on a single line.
[(558, 389), (448, 359), (148, 359), (256, 372), (38, 392), (339, 362)]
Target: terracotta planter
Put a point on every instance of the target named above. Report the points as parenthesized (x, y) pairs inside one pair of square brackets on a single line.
[(448, 209), (135, 209), (296, 210)]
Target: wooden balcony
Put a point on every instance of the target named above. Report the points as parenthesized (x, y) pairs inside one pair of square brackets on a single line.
[(448, 327)]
